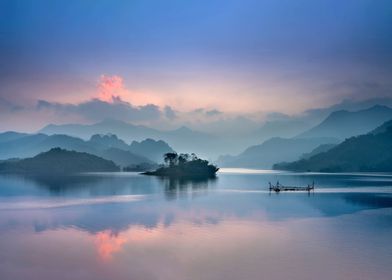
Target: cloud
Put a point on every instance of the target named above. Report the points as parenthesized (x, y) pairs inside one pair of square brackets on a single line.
[(206, 112), (213, 112), (110, 87), (198, 111), (96, 110), (170, 113)]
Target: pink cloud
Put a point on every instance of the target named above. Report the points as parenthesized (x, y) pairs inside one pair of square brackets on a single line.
[(111, 87)]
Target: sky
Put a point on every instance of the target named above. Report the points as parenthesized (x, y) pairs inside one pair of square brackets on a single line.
[(164, 63)]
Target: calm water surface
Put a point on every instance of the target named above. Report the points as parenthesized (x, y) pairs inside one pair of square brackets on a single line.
[(128, 226)]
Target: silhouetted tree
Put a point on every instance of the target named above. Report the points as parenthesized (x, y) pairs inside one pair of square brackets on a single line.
[(170, 158), (194, 157), (183, 158)]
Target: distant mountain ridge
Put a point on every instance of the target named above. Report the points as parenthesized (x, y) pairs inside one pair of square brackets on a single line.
[(338, 126), (121, 129), (108, 141), (106, 146), (343, 124), (320, 149), (181, 139), (382, 128), (370, 152), (11, 135), (273, 150), (151, 149), (280, 125)]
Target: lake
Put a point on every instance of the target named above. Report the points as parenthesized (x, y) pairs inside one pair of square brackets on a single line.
[(130, 226)]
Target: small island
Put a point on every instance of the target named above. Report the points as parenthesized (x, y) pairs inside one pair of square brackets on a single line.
[(184, 166)]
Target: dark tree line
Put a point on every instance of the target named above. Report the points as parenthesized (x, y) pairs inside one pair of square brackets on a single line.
[(173, 159)]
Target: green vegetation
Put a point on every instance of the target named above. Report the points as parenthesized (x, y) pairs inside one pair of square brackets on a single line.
[(366, 153), (185, 165), (59, 161)]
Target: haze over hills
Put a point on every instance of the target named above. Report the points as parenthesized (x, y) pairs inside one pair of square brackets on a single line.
[(285, 126), (124, 158), (122, 129), (369, 152), (220, 136), (343, 124), (103, 140), (336, 127), (11, 135), (57, 161), (151, 149), (382, 128), (33, 144), (106, 146), (181, 139), (320, 149), (272, 151)]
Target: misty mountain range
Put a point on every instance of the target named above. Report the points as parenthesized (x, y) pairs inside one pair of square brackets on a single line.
[(280, 125), (182, 139), (343, 124), (272, 151), (335, 128), (290, 139), (365, 153), (109, 146), (230, 136)]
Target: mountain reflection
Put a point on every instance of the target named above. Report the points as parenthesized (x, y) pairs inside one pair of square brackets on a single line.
[(62, 184), (373, 201), (112, 203), (93, 184)]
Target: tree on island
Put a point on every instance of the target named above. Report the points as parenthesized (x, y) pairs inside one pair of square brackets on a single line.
[(184, 165), (170, 158)]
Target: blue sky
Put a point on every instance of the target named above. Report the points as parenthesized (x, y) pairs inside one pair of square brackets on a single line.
[(242, 56)]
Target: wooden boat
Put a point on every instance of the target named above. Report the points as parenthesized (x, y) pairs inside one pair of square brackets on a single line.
[(279, 187)]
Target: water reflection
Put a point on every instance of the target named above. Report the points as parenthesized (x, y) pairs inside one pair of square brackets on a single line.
[(372, 201), (128, 226), (109, 243), (82, 185), (232, 249), (176, 188)]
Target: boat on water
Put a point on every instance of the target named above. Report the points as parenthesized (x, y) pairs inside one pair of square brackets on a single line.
[(279, 187)]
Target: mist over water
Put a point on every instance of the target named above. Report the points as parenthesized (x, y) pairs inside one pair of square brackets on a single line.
[(129, 226)]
